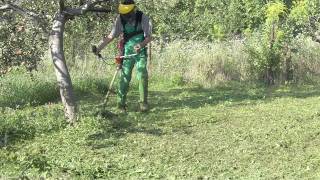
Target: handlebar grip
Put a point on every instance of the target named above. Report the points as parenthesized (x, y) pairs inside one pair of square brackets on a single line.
[(94, 48), (95, 51)]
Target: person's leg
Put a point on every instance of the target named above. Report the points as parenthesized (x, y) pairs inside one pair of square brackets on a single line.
[(142, 76), (125, 78)]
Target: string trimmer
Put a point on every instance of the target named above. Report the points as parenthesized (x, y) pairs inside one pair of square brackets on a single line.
[(118, 62)]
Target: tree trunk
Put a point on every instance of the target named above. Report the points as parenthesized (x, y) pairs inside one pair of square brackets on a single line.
[(61, 69), (288, 64), (150, 59), (56, 45), (270, 74)]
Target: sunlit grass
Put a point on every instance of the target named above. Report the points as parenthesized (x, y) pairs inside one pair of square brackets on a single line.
[(236, 131), (232, 130)]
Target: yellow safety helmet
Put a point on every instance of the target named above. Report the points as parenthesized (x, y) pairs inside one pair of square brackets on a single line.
[(126, 8)]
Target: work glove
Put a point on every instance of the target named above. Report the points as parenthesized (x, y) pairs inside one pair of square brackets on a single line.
[(137, 48), (95, 51)]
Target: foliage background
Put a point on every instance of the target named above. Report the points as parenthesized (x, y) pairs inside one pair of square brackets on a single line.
[(238, 129), (268, 34)]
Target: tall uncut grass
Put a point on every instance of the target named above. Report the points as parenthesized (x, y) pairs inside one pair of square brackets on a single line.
[(20, 88), (179, 62), (210, 64), (306, 60), (206, 64)]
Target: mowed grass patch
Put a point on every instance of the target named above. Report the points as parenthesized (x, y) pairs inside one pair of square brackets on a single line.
[(230, 132)]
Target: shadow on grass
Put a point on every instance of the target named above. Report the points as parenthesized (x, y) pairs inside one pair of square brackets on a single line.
[(194, 98), (26, 125), (11, 135), (22, 125), (34, 93), (114, 126)]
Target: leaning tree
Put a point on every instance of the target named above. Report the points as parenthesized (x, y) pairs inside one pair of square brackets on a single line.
[(10, 9)]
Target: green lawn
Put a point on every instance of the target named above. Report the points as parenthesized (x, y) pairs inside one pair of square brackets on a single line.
[(232, 132)]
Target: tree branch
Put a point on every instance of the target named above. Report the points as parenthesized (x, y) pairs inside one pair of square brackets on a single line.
[(101, 10), (17, 2), (87, 7), (4, 7), (20, 10), (4, 19), (317, 37), (25, 12), (61, 5)]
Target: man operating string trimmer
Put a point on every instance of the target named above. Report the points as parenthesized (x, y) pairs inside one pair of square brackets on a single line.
[(135, 28)]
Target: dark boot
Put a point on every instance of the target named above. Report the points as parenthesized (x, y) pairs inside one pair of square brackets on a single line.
[(122, 108), (144, 107)]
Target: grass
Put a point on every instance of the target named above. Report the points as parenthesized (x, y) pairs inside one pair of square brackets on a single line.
[(229, 131), (236, 131)]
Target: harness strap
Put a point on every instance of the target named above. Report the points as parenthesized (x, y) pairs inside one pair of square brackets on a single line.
[(138, 20)]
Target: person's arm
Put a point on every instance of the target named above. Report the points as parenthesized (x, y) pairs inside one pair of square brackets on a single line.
[(115, 32), (147, 29), (146, 41), (106, 40)]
